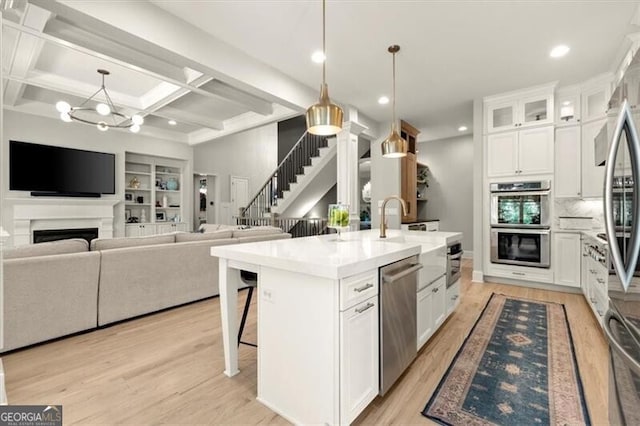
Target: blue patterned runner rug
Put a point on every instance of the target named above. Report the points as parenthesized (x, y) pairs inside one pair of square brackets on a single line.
[(516, 367)]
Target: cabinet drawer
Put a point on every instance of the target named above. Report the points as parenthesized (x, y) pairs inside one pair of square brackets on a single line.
[(357, 288)]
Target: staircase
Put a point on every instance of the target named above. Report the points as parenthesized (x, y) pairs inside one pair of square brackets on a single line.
[(299, 182)]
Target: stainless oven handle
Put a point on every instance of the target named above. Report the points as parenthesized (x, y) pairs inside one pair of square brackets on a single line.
[(518, 226), (455, 256), (392, 278), (520, 193), (521, 231)]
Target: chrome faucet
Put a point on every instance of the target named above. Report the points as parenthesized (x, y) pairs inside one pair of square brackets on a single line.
[(383, 225)]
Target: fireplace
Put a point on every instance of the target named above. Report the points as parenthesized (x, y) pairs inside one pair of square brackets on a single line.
[(44, 235)]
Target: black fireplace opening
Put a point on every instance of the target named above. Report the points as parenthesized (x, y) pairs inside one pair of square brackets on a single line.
[(45, 235)]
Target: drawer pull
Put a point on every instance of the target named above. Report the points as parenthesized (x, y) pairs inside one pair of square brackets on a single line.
[(518, 273), (363, 288), (435, 290), (600, 280), (455, 297), (365, 307)]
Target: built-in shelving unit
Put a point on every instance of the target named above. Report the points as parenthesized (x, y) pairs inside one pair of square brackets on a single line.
[(153, 195)]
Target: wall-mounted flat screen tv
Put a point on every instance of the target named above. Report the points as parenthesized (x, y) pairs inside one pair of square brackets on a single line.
[(57, 171)]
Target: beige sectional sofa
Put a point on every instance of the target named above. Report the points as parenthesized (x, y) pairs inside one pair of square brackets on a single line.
[(59, 288)]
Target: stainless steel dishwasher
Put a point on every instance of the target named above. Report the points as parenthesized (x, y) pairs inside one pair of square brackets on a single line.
[(398, 334)]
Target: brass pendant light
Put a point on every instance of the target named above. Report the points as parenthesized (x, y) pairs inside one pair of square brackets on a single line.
[(324, 118), (394, 146)]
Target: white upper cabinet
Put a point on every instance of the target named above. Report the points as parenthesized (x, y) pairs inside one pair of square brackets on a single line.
[(592, 175), (567, 162), (524, 152), (595, 97), (519, 109), (568, 106)]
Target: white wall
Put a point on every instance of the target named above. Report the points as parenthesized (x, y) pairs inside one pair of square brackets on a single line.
[(252, 154), (450, 192), (48, 131)]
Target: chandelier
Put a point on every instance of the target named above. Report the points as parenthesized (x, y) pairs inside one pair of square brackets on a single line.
[(108, 116)]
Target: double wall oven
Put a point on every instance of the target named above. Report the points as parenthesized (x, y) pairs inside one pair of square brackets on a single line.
[(520, 223)]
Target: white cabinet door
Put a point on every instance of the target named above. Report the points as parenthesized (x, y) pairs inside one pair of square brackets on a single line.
[(566, 249), (501, 115), (595, 101), (502, 154), (567, 162), (567, 105), (535, 110), (166, 228), (592, 175), (359, 358), (584, 272), (424, 319), (453, 297), (139, 230), (439, 302), (535, 150)]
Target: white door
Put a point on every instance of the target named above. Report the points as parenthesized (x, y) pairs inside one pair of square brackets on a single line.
[(205, 198), (239, 193)]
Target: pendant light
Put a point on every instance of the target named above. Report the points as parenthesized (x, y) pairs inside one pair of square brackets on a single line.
[(394, 146), (324, 118)]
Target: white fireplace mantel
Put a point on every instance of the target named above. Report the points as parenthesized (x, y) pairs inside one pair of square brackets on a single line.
[(31, 214)]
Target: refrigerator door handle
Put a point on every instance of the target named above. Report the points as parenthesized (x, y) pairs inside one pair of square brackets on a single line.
[(615, 345), (624, 123)]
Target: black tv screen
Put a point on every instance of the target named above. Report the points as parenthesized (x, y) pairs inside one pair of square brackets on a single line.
[(47, 169)]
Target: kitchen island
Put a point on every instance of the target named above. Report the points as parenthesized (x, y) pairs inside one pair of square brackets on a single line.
[(318, 317)]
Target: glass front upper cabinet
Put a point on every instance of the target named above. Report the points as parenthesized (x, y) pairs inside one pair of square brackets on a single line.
[(515, 112)]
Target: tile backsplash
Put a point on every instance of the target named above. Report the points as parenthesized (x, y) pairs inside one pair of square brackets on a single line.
[(579, 208)]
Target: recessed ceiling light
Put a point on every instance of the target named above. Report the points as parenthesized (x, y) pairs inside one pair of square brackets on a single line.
[(383, 100), (318, 57), (172, 122), (559, 51), (462, 128)]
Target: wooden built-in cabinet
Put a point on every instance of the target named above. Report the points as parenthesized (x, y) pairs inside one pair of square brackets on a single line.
[(409, 172)]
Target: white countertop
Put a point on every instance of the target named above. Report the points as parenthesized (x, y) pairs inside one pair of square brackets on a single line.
[(325, 256)]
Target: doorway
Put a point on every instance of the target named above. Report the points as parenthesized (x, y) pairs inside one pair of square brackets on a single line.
[(205, 198), (239, 194)]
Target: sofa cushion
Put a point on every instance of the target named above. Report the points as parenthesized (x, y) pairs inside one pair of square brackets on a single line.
[(196, 236), (214, 227), (112, 243), (258, 230), (71, 245)]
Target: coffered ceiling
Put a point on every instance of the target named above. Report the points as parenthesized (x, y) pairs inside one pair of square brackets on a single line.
[(217, 67)]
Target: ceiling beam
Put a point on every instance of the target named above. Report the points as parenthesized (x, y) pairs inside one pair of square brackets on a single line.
[(64, 31), (189, 118), (26, 50), (254, 103)]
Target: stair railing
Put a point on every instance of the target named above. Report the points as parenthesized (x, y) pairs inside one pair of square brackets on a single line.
[(293, 164), (296, 226)]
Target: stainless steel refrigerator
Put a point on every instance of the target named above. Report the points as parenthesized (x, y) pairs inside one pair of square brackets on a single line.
[(618, 142)]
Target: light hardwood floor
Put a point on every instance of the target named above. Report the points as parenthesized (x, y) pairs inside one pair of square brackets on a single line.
[(167, 367)]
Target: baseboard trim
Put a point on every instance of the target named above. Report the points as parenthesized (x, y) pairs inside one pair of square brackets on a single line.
[(477, 277)]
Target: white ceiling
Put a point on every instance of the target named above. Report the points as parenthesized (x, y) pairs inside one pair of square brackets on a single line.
[(451, 53)]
